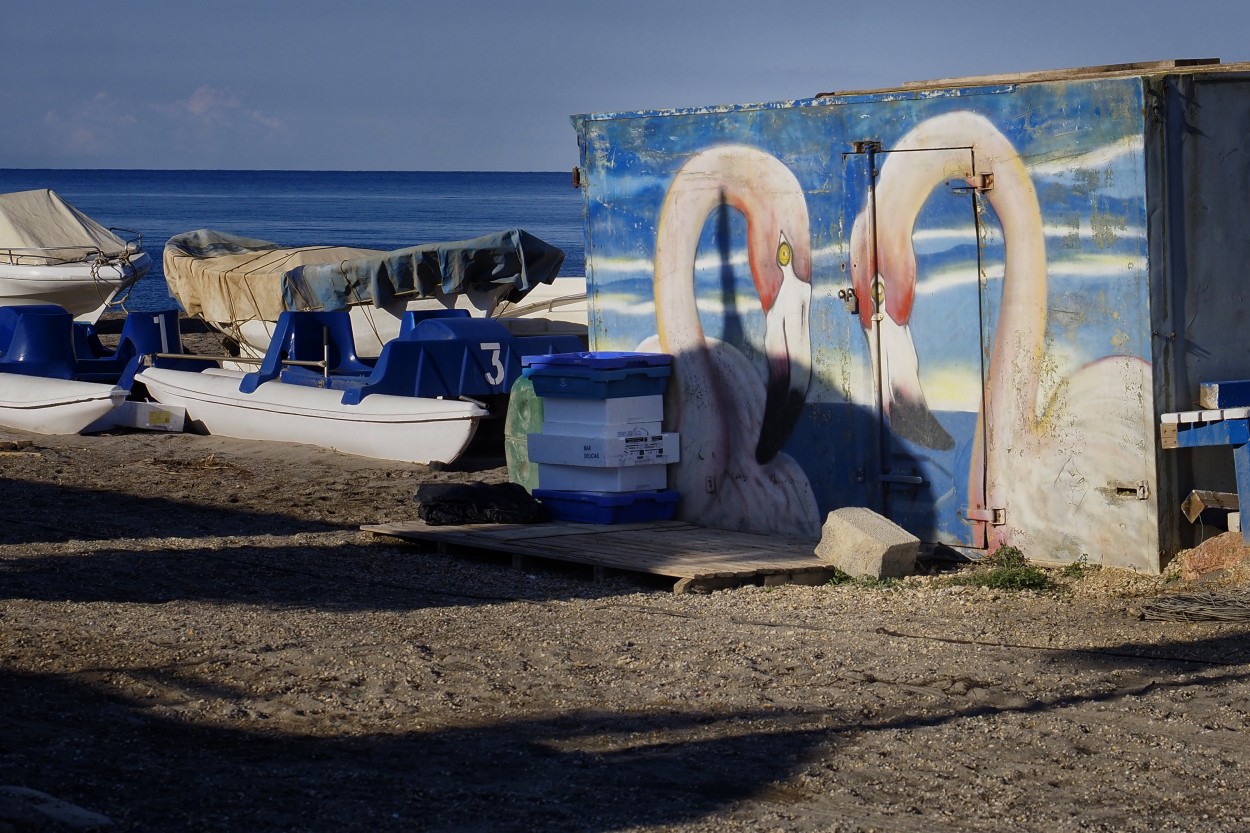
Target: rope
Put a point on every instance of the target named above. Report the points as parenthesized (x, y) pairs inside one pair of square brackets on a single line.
[(103, 288)]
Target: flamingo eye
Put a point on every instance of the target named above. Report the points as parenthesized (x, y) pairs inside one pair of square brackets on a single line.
[(784, 254), (878, 292)]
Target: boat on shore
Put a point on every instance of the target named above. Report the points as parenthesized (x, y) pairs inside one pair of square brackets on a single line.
[(240, 286), (56, 377), (52, 253), (402, 428), (420, 400)]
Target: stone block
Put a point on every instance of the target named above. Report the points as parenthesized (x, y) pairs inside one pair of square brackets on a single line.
[(861, 543)]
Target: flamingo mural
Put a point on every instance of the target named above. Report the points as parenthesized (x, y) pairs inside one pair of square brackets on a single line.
[(732, 472), (1068, 472)]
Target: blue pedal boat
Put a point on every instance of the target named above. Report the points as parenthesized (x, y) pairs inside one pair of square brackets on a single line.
[(419, 401), (57, 377)]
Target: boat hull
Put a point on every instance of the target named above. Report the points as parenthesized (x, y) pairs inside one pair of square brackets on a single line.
[(55, 406), (82, 288), (400, 428)]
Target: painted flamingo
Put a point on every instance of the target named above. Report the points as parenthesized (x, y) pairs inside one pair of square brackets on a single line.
[(1066, 473), (732, 473)]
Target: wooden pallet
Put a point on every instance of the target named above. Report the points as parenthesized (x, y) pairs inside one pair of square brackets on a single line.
[(700, 559)]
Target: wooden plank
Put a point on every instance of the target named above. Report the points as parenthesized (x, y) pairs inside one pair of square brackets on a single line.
[(667, 548), (1199, 500)]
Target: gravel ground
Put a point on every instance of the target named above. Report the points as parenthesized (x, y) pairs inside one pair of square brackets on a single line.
[(195, 636)]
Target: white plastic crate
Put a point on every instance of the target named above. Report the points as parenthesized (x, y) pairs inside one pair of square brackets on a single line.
[(608, 430), (599, 412), (573, 450), (611, 479)]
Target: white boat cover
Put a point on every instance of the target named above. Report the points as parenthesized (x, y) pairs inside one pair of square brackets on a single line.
[(38, 228), (224, 277)]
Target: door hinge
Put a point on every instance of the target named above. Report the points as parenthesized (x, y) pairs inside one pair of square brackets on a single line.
[(994, 517), (977, 182)]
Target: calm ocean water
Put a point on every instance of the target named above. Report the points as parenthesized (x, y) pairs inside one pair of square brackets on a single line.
[(376, 210)]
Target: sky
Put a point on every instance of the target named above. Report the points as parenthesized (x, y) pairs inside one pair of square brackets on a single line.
[(490, 84)]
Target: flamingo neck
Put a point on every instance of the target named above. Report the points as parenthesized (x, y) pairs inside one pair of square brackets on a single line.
[(1019, 339), (951, 142), (676, 246)]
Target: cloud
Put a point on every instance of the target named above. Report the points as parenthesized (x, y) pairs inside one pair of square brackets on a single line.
[(209, 127), (207, 101), (90, 128), (209, 105)]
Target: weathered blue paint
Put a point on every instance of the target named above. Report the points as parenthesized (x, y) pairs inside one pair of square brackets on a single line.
[(1096, 151)]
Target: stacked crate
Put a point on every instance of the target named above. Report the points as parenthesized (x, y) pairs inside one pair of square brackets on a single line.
[(601, 455)]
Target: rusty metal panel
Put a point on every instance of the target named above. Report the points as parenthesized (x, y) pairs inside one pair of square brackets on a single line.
[(1202, 334)]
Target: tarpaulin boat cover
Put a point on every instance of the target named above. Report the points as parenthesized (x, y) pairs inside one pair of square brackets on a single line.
[(224, 277), (38, 228)]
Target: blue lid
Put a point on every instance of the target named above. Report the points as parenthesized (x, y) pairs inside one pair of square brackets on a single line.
[(608, 498), (600, 360)]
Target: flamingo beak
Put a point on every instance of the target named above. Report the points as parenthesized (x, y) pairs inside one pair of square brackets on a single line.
[(903, 399), (788, 346)]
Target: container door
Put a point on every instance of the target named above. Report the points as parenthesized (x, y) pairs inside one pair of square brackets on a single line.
[(917, 274)]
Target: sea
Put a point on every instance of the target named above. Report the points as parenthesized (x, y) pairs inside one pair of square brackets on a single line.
[(373, 210)]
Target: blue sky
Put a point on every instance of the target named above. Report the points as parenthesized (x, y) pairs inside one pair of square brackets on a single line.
[(490, 84)]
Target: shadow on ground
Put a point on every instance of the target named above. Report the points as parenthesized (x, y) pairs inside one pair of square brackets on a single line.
[(349, 577), (586, 772), (34, 512)]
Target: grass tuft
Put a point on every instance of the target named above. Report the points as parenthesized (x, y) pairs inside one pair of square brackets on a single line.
[(1005, 569)]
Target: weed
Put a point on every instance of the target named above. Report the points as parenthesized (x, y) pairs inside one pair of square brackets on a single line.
[(1005, 556), (1006, 569), (1007, 578), (839, 577), (1077, 569), (879, 583)]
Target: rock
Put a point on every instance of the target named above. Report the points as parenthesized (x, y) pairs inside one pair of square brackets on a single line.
[(859, 542), (1219, 553)]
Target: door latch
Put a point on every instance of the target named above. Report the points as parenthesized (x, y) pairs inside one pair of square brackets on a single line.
[(994, 517), (849, 300)]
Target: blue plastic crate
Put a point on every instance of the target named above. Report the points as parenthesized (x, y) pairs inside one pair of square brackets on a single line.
[(609, 507)]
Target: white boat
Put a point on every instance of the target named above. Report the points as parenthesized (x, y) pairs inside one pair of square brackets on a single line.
[(240, 285), (56, 377), (312, 388), (403, 428), (556, 308), (55, 406), (52, 253)]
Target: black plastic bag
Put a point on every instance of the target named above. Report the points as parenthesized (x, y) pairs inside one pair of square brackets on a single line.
[(446, 504)]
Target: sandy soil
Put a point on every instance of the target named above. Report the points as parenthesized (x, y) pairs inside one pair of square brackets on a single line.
[(195, 636)]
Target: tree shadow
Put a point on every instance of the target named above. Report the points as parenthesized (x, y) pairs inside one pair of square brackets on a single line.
[(33, 512), (350, 577), (577, 771)]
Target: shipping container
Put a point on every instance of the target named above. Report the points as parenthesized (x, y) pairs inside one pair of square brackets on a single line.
[(964, 304)]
